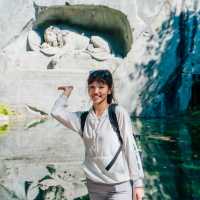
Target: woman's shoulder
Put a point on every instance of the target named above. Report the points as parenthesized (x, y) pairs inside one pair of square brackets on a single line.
[(123, 117), (121, 110)]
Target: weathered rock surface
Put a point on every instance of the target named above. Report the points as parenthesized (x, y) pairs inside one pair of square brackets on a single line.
[(100, 43), (34, 40), (155, 63), (157, 75)]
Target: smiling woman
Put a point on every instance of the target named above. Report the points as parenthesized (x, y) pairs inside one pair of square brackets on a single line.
[(112, 162), (100, 86)]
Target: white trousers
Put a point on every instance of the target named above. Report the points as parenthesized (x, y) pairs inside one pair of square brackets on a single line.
[(119, 191)]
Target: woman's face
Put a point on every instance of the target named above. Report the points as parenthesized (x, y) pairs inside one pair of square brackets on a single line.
[(98, 92)]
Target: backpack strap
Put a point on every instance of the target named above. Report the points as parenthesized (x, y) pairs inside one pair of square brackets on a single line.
[(115, 126), (83, 119), (114, 123)]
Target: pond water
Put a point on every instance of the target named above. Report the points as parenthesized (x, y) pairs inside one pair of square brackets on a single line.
[(171, 159)]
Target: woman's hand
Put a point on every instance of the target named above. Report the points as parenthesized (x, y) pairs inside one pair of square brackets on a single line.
[(66, 89), (138, 193)]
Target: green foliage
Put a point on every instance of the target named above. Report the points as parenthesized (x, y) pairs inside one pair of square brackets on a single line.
[(3, 128), (5, 110)]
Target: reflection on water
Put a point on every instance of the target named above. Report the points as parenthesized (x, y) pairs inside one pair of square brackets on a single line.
[(43, 161), (171, 158)]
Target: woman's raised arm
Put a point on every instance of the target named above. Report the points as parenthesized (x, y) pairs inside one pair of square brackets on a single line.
[(70, 120)]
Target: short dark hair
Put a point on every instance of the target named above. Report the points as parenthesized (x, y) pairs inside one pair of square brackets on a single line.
[(103, 76)]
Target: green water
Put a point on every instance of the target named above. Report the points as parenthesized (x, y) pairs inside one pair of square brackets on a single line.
[(170, 151), (171, 158)]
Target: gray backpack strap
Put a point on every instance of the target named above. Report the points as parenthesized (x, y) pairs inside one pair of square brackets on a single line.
[(83, 119), (114, 123), (115, 126)]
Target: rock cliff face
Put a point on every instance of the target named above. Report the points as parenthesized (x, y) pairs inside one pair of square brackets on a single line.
[(162, 76), (159, 74), (151, 46)]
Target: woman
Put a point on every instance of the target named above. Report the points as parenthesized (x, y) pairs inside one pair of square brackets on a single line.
[(124, 179)]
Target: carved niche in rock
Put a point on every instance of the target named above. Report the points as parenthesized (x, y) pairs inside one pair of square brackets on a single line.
[(58, 42)]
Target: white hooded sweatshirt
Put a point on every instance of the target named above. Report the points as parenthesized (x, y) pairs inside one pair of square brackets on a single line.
[(101, 144)]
